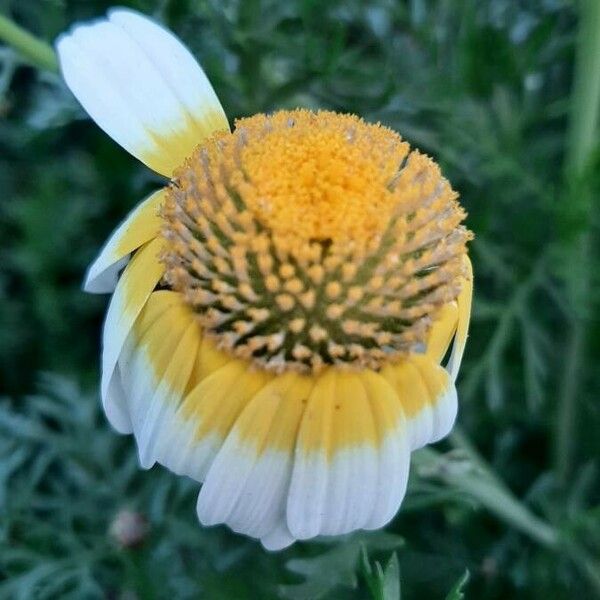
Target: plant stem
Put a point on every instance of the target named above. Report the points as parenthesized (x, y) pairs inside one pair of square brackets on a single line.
[(35, 51), (583, 126), (585, 98), (477, 480)]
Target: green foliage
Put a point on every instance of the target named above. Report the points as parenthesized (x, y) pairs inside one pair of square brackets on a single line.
[(337, 567), (486, 89), (457, 592), (384, 584)]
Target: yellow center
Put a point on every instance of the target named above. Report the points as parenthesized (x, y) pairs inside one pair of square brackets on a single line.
[(321, 176), (306, 239)]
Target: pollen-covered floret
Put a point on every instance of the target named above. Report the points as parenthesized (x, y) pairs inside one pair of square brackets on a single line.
[(304, 239)]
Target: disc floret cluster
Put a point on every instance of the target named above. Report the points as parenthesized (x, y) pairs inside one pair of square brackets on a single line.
[(305, 239)]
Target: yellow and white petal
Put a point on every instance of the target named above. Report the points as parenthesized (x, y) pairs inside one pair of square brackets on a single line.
[(308, 488), (211, 409), (349, 442), (246, 486), (394, 449), (141, 225), (464, 302), (182, 394), (442, 396), (352, 459), (405, 379), (428, 397), (141, 86), (133, 290), (156, 365)]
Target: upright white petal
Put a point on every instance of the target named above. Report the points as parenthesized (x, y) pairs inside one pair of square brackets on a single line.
[(142, 86)]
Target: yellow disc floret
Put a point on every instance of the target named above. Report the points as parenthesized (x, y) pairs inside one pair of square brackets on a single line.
[(320, 176), (306, 239)]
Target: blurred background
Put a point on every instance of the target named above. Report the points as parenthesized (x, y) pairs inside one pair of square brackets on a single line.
[(504, 94)]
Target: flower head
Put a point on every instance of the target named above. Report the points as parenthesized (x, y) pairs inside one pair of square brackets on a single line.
[(304, 239), (286, 300)]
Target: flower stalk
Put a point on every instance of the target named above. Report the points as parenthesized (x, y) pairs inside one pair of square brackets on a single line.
[(33, 50), (582, 140), (466, 470)]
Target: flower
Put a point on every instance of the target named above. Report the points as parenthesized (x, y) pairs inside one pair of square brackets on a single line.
[(280, 310)]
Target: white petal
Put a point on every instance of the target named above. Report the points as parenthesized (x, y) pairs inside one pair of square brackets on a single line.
[(420, 428), (225, 480), (308, 495), (260, 507), (445, 412), (142, 86), (279, 538), (115, 404), (351, 489)]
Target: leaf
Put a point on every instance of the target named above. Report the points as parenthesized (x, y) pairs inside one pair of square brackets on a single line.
[(391, 579), (458, 591), (337, 567), (384, 584)]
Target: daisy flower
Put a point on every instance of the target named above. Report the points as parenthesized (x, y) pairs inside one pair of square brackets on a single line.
[(282, 307)]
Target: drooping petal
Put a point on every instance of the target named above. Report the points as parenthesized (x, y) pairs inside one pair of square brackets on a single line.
[(352, 458), (142, 87), (394, 449), (156, 365), (182, 394), (212, 407), (246, 486), (464, 302), (442, 396), (141, 225), (428, 397), (279, 538), (352, 441), (308, 488), (298, 460), (177, 391), (135, 286)]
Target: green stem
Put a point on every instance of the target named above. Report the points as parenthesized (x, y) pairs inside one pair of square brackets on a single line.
[(475, 479), (583, 128), (585, 98), (469, 472), (36, 52)]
